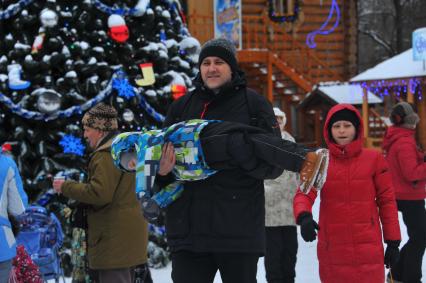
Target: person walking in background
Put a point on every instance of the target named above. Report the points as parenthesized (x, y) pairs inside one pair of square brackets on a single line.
[(408, 170), (13, 201), (281, 230), (357, 200), (117, 231)]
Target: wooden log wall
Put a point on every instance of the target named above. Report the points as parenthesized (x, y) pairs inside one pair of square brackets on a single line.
[(338, 49)]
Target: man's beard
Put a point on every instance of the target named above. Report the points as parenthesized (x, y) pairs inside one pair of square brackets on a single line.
[(89, 146)]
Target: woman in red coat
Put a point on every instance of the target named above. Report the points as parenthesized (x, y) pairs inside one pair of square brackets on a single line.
[(408, 170), (357, 198)]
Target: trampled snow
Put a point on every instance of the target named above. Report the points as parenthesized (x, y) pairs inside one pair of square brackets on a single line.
[(306, 267)]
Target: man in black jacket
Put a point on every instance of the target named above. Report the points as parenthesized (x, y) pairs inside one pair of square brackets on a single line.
[(219, 223)]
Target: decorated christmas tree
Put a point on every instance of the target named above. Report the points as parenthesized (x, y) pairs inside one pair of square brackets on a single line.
[(59, 58)]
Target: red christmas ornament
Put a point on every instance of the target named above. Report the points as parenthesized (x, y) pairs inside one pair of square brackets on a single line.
[(178, 91), (6, 147), (38, 43), (118, 29)]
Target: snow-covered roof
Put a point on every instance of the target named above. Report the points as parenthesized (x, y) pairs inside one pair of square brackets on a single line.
[(335, 93), (347, 93), (399, 66)]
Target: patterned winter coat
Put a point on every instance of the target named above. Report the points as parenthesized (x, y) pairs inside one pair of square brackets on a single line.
[(279, 194), (356, 200), (406, 164), (13, 201), (190, 161), (117, 231)]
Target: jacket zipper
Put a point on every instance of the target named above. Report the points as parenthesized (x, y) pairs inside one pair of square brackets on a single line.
[(204, 109)]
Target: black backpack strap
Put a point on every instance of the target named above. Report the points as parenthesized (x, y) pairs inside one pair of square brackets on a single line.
[(251, 107)]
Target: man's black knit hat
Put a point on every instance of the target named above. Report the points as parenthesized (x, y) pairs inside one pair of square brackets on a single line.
[(222, 48)]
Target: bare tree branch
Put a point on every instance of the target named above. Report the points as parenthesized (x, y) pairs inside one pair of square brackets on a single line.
[(377, 38)]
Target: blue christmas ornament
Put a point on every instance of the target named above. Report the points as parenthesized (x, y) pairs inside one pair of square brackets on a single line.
[(163, 36), (72, 144), (122, 85)]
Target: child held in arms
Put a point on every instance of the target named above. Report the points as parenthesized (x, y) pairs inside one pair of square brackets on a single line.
[(197, 149)]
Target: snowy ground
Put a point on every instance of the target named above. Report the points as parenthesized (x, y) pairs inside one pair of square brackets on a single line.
[(306, 267)]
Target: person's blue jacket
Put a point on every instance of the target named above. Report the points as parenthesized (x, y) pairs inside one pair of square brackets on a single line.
[(13, 201), (190, 163)]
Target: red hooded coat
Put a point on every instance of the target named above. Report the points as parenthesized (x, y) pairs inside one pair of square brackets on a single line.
[(406, 164), (356, 198)]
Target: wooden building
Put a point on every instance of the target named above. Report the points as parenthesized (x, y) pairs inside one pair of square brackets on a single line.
[(274, 54), (399, 78)]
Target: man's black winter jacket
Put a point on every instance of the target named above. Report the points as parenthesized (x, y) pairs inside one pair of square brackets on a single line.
[(224, 213)]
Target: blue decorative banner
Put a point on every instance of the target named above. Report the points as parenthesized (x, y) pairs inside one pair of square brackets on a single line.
[(138, 11), (227, 21), (419, 44), (151, 111), (79, 109), (13, 9)]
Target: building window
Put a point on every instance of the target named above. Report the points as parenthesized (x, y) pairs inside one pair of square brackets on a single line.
[(281, 7), (283, 10)]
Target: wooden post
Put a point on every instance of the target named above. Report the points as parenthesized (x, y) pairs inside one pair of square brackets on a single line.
[(317, 127), (290, 7), (270, 82), (286, 107), (301, 122), (410, 96), (365, 114), (421, 109)]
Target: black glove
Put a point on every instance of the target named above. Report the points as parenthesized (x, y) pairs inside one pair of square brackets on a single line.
[(150, 209), (391, 253), (307, 226)]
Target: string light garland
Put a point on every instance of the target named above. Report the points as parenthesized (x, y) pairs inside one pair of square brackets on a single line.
[(310, 38), (395, 87), (282, 19)]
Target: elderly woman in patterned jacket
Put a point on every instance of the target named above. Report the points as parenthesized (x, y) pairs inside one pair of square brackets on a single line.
[(281, 230)]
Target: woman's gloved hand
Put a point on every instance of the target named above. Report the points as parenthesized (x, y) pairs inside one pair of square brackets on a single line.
[(308, 226), (391, 253)]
